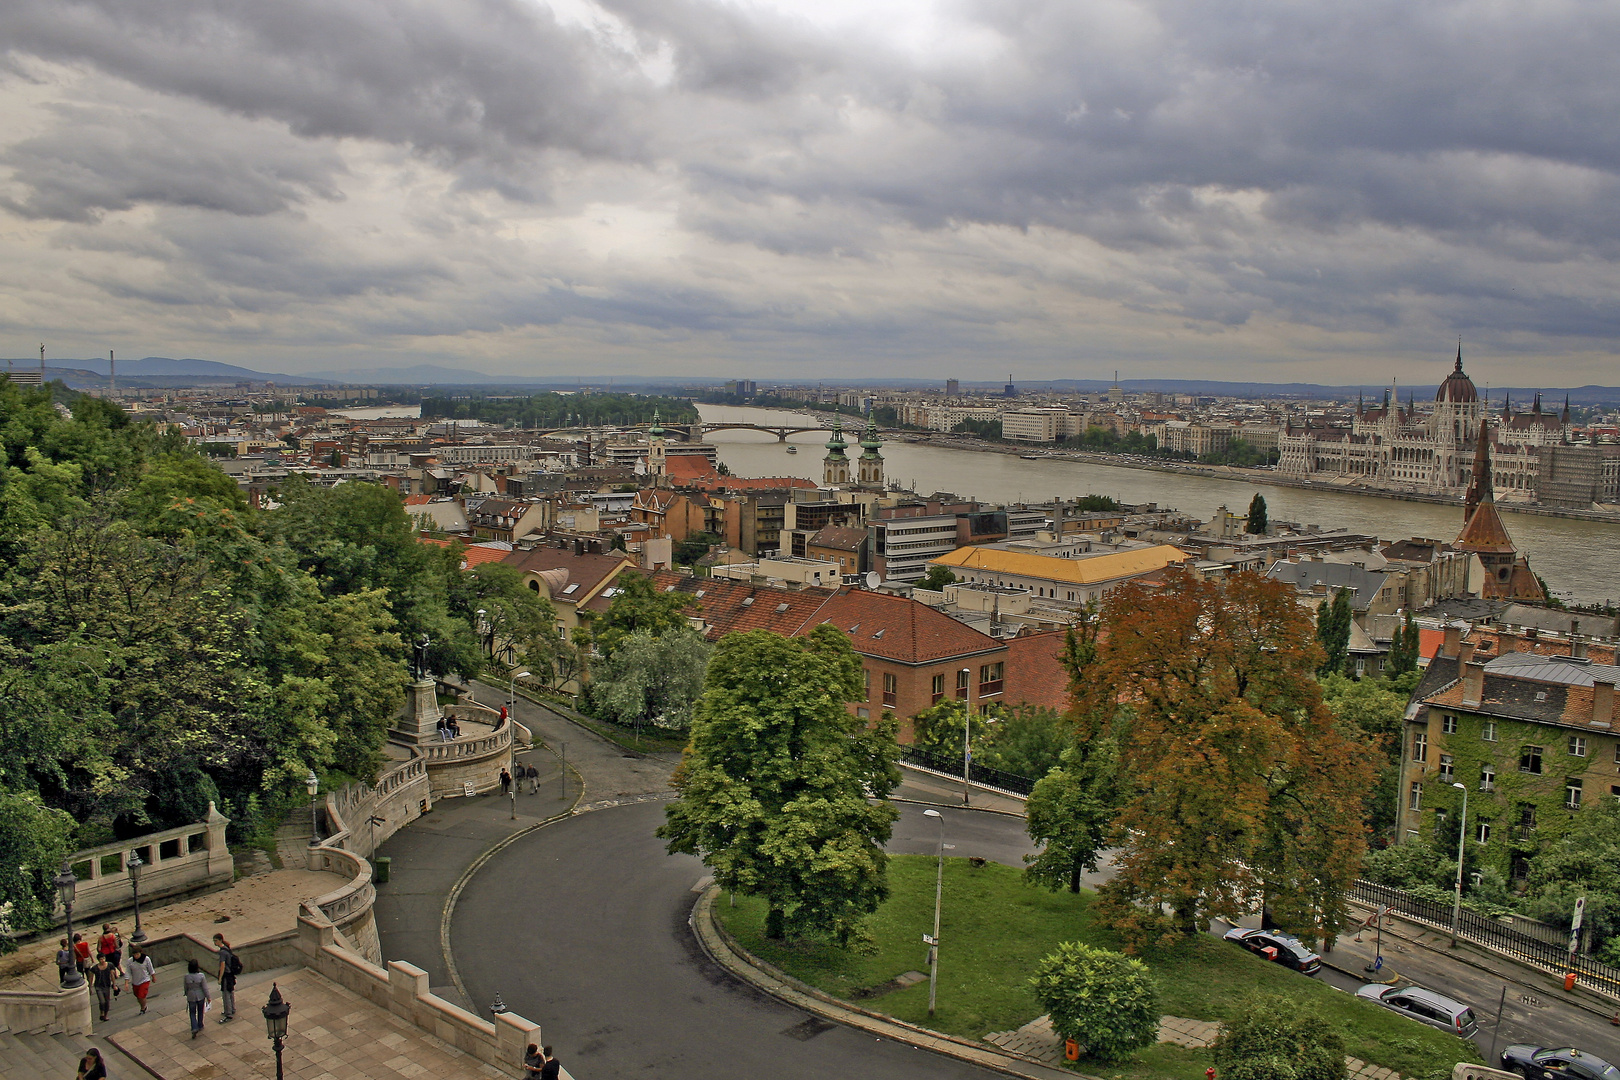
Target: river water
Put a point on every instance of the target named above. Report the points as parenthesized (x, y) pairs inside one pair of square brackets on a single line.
[(1578, 558)]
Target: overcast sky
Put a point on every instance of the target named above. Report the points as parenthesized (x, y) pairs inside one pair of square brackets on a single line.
[(1227, 189)]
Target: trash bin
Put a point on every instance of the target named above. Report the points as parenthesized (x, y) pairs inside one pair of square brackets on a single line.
[(379, 869)]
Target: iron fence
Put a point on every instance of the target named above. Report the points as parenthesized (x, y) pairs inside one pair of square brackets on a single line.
[(951, 764), (1493, 934)]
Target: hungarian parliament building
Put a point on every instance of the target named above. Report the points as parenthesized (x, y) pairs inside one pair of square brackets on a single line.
[(1533, 458)]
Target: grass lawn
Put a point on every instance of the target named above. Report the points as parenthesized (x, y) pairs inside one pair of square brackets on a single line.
[(994, 930)]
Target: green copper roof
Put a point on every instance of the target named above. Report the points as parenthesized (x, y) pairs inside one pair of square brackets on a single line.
[(836, 444), (870, 441)]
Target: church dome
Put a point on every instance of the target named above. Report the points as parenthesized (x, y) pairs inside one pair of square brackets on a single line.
[(1458, 387)]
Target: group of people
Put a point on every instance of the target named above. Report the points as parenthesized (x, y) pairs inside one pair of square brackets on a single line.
[(540, 1064), (106, 969), (448, 727), (522, 773), (109, 974)]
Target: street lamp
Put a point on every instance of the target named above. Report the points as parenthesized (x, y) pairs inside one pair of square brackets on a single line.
[(1462, 838), (66, 886), (135, 866), (967, 727), (483, 632), (939, 893), (275, 1022), (511, 719), (313, 783)]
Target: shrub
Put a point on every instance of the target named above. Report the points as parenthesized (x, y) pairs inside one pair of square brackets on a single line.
[(1279, 1039), (1102, 1000)]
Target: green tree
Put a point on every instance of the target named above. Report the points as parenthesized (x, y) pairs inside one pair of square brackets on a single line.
[(655, 679), (937, 578), (1026, 739), (639, 605), (1373, 709), (1070, 814), (776, 781), (1333, 631), (1279, 1039), (938, 728), (1258, 521), (34, 840), (1585, 861), (1404, 648), (695, 546), (1106, 1002), (519, 625)]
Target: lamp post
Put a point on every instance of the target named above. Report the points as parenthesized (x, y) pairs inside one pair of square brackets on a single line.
[(1462, 838), (135, 865), (313, 783), (275, 1022), (485, 632), (66, 886), (939, 894), (967, 727), (511, 719)]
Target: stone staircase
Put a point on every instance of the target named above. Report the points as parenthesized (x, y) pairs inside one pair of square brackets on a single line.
[(47, 1057)]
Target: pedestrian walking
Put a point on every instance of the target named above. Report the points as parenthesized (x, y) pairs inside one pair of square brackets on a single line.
[(66, 960), (81, 952), (197, 995), (102, 975), (552, 1070), (91, 1067), (533, 1062), (230, 966), (141, 971), (506, 783), (534, 780)]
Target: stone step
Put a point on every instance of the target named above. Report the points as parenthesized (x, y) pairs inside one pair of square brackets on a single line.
[(38, 1057)]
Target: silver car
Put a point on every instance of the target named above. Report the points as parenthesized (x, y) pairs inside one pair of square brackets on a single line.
[(1424, 1006)]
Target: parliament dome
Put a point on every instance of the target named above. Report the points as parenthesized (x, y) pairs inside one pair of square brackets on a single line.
[(1458, 387)]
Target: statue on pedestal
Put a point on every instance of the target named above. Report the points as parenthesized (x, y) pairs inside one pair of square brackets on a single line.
[(419, 665)]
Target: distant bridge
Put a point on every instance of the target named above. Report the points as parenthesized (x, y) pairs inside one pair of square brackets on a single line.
[(687, 432)]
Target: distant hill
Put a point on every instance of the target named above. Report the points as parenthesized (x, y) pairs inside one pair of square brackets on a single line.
[(161, 371)]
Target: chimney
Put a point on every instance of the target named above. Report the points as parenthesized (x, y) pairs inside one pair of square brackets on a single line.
[(1453, 640), (1466, 653), (1473, 683), (1602, 703)]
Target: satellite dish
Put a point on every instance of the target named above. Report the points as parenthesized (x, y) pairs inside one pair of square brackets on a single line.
[(872, 579)]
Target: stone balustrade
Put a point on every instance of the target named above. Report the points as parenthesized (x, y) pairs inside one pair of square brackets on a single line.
[(46, 1012), (176, 862)]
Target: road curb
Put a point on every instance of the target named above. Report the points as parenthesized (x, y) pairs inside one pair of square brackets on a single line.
[(478, 864), (957, 806), (724, 950)]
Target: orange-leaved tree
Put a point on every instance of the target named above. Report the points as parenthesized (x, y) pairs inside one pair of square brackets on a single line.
[(1243, 790)]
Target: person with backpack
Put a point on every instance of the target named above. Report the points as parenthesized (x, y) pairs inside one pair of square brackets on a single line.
[(197, 995), (140, 970), (230, 966)]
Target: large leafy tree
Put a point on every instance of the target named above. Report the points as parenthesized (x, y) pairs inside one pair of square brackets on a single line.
[(654, 679), (520, 625), (1244, 789), (1071, 813), (639, 606), (33, 842), (776, 782), (1333, 632), (1404, 648), (1259, 520)]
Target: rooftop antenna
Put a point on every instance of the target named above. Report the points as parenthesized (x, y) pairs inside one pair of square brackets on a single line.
[(112, 375), (42, 363)]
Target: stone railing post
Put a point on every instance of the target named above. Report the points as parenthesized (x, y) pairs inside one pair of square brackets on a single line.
[(406, 983), (219, 853), (513, 1034)]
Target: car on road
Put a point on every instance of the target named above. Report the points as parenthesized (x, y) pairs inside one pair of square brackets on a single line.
[(1540, 1063), (1424, 1006), (1284, 949)]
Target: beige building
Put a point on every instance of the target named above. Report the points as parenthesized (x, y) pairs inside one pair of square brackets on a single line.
[(1079, 579)]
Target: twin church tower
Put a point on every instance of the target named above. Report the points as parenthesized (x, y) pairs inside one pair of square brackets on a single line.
[(835, 467)]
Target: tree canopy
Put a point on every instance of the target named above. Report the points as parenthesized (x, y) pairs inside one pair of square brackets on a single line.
[(1258, 521), (775, 782), (1333, 631)]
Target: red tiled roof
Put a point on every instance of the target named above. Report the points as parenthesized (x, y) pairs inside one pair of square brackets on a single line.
[(744, 484), (472, 556), (1035, 674), (839, 537), (1484, 531), (585, 570), (418, 500), (901, 629), (689, 467), (726, 606)]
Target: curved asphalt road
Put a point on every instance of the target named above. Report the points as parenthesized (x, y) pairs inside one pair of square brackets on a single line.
[(583, 926)]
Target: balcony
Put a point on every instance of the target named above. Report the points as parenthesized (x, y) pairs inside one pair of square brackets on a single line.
[(988, 688), (890, 697)]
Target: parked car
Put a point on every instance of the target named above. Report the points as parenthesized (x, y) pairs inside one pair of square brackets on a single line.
[(1285, 949), (1539, 1063), (1424, 1006)]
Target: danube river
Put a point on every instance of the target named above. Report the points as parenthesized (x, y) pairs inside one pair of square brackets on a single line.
[(1578, 558)]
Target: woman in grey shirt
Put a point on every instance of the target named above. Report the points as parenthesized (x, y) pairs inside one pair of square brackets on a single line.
[(197, 995)]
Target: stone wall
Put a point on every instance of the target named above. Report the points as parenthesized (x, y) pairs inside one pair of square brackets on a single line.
[(177, 862), (48, 1012), (362, 817), (451, 765)]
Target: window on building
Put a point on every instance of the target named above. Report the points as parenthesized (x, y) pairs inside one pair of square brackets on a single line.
[(1482, 832), (1448, 724), (962, 683), (1415, 799), (1572, 793), (1445, 767), (1420, 746), (1527, 815), (891, 689), (866, 684), (1577, 746), (937, 690), (1487, 778), (1487, 731), (990, 678), (864, 714), (1530, 759)]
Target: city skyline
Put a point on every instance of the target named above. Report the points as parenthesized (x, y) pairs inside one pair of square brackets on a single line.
[(787, 191)]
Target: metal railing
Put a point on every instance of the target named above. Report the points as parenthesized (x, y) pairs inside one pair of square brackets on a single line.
[(1493, 934), (951, 764)]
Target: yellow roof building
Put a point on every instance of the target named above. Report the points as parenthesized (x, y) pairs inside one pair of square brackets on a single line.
[(1053, 576)]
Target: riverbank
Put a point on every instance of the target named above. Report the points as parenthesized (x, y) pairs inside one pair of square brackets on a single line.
[(1234, 473)]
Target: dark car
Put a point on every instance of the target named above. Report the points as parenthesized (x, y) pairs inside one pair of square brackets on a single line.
[(1424, 1006), (1539, 1063), (1285, 949)]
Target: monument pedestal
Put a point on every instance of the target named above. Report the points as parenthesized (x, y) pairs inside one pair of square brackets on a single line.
[(419, 722)]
